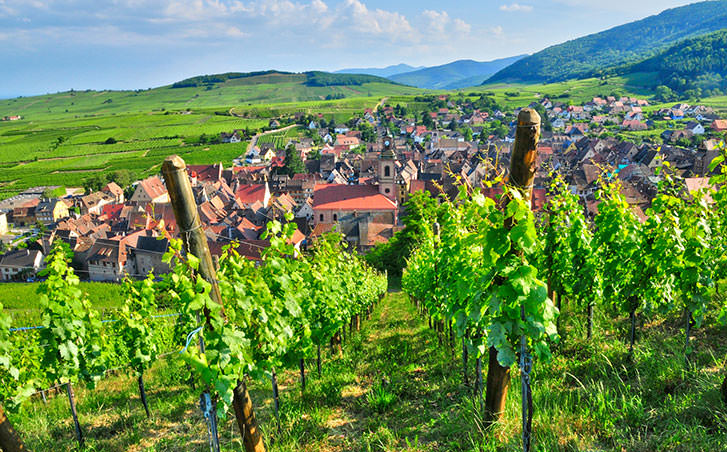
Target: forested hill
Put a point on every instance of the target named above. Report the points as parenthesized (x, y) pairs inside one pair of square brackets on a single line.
[(312, 78), (632, 42), (695, 67)]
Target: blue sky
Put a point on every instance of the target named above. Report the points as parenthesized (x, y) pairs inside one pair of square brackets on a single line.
[(55, 45)]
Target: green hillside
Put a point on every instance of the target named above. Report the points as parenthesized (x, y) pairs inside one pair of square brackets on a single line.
[(692, 68), (210, 91), (632, 42)]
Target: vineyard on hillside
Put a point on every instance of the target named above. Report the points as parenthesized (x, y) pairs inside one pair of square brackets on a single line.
[(582, 308), (513, 291), (275, 316)]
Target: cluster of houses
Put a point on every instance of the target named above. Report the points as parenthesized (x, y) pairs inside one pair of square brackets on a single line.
[(357, 184)]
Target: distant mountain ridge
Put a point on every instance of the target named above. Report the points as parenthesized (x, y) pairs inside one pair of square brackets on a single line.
[(596, 53), (457, 74), (387, 71)]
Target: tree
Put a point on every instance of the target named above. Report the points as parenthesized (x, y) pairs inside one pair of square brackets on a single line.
[(293, 163), (95, 182), (122, 177), (467, 134), (367, 132)]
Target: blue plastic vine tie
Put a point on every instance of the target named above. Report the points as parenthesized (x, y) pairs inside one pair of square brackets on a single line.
[(190, 336)]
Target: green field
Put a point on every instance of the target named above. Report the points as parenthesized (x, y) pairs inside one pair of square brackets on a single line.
[(65, 138)]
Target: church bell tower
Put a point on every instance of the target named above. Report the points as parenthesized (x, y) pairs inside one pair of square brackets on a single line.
[(387, 170)]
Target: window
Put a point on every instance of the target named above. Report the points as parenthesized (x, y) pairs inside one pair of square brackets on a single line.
[(321, 217), (387, 191), (387, 171), (335, 217)]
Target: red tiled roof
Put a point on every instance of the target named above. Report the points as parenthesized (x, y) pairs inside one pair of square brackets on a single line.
[(247, 169), (112, 211), (350, 197), (153, 187), (113, 188), (719, 124), (205, 172), (248, 194)]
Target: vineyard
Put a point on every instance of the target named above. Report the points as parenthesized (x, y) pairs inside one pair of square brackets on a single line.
[(614, 326), (275, 316), (486, 274), (279, 139)]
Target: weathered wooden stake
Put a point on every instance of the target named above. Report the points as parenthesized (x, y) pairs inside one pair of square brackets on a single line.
[(142, 392), (319, 361), (246, 421), (302, 376), (276, 398), (9, 438), (465, 355), (195, 242), (522, 173), (76, 424)]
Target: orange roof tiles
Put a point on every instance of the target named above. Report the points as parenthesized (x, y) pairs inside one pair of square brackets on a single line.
[(350, 197)]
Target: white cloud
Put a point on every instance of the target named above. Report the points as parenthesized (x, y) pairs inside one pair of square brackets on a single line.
[(440, 23), (516, 7)]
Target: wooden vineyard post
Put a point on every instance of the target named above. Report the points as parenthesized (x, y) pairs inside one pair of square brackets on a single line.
[(522, 173), (195, 242), (251, 437), (318, 361), (142, 393), (9, 439), (302, 376), (76, 424)]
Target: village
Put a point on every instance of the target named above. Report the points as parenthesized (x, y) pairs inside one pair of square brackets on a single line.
[(357, 177)]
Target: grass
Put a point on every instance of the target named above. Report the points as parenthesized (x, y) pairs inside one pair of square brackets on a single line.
[(397, 389), (22, 301)]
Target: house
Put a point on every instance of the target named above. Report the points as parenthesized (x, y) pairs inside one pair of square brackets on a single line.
[(205, 173), (695, 127), (50, 211), (274, 123), (147, 256), (719, 125), (312, 125), (93, 203), (114, 191), (12, 118), (340, 129), (333, 203), (248, 194), (107, 260), (233, 137), (350, 142), (634, 125), (20, 264), (3, 223), (150, 191)]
